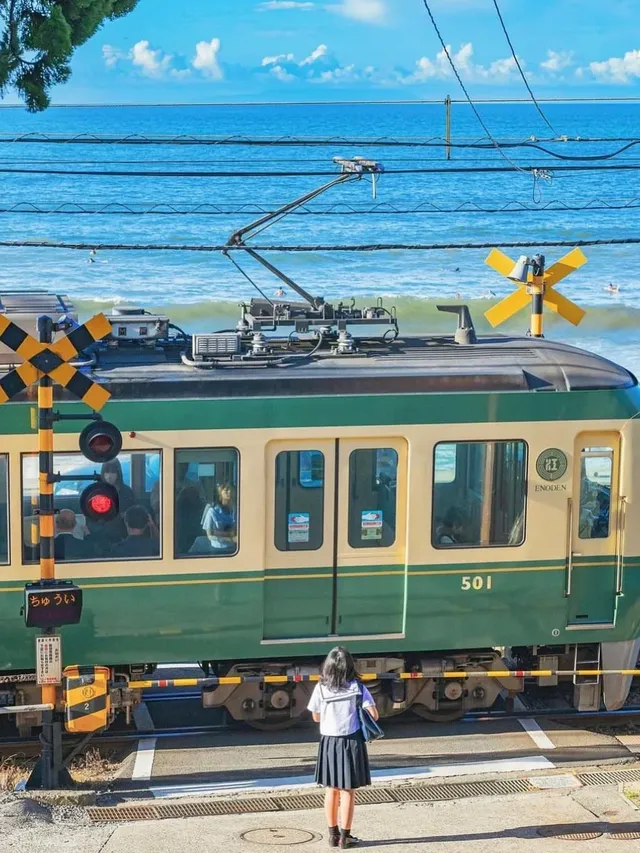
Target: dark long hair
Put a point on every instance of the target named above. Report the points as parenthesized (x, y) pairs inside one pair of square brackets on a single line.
[(338, 669)]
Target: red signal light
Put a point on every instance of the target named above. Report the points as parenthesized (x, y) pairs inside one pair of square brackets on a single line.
[(99, 502)]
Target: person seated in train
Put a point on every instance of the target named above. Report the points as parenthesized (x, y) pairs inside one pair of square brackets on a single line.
[(190, 505), (600, 526), (140, 541), (219, 518), (65, 545), (113, 531), (451, 531)]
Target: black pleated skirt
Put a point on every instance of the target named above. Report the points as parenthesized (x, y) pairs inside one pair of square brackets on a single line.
[(343, 762)]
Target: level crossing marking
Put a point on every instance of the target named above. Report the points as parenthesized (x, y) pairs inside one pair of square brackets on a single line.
[(499, 765), (536, 734), (145, 754)]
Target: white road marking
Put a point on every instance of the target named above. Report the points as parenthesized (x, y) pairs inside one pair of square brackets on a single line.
[(178, 666), (536, 734), (144, 758), (502, 765)]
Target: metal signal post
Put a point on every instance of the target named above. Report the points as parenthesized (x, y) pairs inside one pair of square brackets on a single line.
[(50, 603)]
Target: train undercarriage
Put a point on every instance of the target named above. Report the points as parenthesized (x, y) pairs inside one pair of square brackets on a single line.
[(277, 706)]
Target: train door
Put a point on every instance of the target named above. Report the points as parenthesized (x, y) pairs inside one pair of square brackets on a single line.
[(336, 538), (300, 548), (371, 537), (594, 536)]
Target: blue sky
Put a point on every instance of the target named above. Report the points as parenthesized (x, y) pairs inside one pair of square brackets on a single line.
[(224, 50)]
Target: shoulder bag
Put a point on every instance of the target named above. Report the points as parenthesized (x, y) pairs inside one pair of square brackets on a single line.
[(368, 726)]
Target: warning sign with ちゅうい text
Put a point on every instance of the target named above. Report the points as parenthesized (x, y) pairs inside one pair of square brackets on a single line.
[(371, 524)]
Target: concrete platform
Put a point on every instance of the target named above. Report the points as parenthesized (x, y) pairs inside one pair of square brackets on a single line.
[(526, 822)]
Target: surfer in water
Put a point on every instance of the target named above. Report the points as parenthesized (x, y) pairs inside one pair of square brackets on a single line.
[(612, 288)]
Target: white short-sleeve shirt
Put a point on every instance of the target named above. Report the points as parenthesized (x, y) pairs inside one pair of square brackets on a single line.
[(338, 708)]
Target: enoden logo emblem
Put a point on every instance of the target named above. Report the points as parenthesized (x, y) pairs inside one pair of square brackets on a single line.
[(551, 464)]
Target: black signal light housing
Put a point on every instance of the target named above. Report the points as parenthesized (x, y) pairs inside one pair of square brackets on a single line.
[(100, 441)]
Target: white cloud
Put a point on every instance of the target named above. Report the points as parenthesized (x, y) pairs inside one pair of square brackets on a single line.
[(273, 60), (273, 5), (206, 59), (316, 54), (557, 61), (152, 63), (617, 69), (158, 65), (370, 11), (320, 66), (499, 71), (111, 55)]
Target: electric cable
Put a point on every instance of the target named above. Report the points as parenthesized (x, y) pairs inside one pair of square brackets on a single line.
[(367, 247), (464, 89), (522, 74), (336, 209)]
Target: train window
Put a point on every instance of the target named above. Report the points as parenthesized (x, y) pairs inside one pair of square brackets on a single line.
[(206, 502), (299, 500), (4, 509), (483, 504), (133, 534), (596, 470), (372, 497)]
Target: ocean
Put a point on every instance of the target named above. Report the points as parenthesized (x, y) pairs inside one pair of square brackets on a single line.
[(201, 292)]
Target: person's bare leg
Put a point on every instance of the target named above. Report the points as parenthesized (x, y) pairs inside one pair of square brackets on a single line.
[(331, 803), (347, 805)]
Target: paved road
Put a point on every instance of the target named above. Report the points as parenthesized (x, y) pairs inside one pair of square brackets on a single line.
[(483, 825)]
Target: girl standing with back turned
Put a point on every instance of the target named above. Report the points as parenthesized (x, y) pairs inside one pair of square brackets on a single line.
[(343, 763)]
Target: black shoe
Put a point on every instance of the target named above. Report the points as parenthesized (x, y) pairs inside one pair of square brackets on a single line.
[(333, 836), (347, 840)]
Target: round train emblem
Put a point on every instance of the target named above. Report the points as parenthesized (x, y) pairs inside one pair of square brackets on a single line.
[(551, 464)]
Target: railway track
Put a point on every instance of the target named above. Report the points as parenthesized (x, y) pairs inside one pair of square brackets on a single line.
[(28, 745)]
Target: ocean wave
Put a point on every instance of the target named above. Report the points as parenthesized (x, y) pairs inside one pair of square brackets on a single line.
[(414, 314)]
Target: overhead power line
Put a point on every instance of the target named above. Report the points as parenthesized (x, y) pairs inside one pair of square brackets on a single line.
[(236, 173), (464, 89), (331, 103), (522, 74), (367, 247), (337, 209)]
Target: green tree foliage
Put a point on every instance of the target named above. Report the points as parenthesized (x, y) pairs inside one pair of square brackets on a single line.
[(38, 37)]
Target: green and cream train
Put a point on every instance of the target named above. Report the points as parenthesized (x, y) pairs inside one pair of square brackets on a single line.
[(431, 502)]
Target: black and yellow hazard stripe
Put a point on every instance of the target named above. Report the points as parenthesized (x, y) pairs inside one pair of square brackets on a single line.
[(87, 698), (25, 346), (51, 360), (45, 448), (69, 347)]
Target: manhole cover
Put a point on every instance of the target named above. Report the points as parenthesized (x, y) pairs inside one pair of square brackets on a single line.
[(567, 833), (278, 836)]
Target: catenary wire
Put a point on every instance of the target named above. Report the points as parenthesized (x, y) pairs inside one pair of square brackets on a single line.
[(367, 247), (464, 89), (522, 74), (336, 209), (237, 173)]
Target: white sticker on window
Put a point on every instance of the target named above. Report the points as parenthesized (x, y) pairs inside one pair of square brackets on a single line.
[(371, 524), (298, 527)]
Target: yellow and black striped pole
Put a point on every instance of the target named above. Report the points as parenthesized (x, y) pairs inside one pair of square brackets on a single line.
[(536, 289), (46, 513)]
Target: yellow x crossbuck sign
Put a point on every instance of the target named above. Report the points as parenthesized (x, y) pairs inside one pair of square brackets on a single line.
[(521, 298), (51, 360)]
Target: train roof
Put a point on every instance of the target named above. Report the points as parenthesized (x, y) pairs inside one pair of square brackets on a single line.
[(420, 364)]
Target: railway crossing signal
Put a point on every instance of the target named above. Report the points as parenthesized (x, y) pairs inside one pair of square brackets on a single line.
[(535, 286), (50, 603)]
